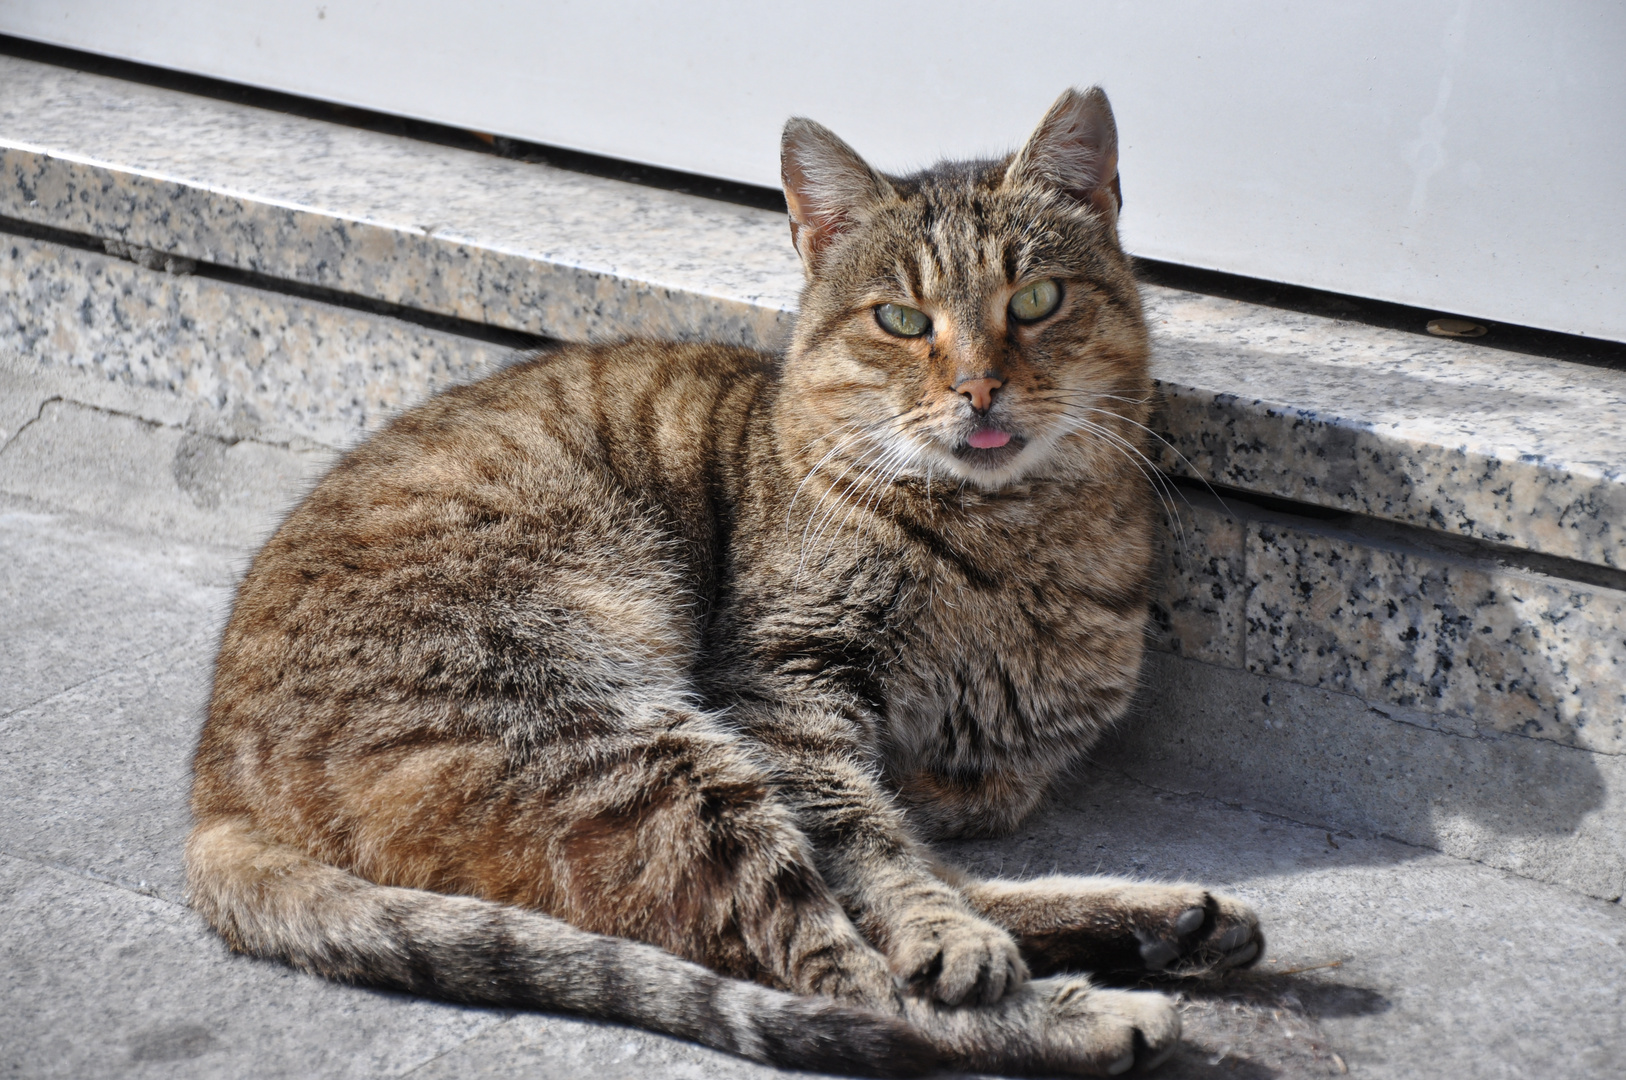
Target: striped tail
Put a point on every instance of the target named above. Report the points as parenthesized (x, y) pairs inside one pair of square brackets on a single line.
[(270, 900)]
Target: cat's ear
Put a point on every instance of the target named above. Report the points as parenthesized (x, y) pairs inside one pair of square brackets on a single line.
[(1075, 149), (828, 187)]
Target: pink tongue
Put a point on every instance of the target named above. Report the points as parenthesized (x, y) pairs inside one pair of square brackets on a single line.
[(989, 438)]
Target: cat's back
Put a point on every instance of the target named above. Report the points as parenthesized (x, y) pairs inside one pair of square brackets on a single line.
[(452, 564), (643, 413), (573, 426)]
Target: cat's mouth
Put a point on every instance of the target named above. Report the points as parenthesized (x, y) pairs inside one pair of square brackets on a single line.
[(990, 447)]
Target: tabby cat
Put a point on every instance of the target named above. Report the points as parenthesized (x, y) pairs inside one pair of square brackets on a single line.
[(631, 680)]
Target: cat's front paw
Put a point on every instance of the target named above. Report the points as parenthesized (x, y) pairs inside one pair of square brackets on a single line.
[(1058, 1026), (1097, 1031), (1208, 934), (955, 956), (1123, 929)]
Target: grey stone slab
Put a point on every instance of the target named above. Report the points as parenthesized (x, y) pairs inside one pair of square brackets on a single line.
[(97, 981), (1401, 961), (78, 600), (1443, 435), (1545, 811), (566, 1048), (130, 471), (96, 778)]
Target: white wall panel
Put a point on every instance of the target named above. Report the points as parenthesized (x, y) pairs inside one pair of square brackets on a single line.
[(1464, 156)]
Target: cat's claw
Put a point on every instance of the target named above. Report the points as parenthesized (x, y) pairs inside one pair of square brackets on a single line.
[(1143, 1056), (1156, 954), (1220, 935), (1157, 1058)]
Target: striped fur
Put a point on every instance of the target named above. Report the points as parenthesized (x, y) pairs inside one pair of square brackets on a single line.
[(631, 680)]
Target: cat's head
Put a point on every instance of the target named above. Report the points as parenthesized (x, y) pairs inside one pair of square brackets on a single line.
[(977, 322)]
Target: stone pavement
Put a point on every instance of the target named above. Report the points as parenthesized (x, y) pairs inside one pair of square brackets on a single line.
[(120, 541)]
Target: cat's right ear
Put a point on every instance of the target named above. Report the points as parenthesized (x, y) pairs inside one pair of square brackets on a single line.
[(828, 187), (1074, 150)]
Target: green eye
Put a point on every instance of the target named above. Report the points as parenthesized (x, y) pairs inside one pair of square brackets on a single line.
[(902, 321), (1036, 301)]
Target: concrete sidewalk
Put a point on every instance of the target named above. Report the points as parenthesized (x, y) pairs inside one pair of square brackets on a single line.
[(116, 570)]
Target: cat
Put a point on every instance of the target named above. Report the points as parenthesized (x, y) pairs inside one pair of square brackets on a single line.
[(632, 680)]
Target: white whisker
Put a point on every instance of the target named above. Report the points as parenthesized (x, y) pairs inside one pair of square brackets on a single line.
[(1149, 472), (838, 498), (840, 443), (1175, 450)]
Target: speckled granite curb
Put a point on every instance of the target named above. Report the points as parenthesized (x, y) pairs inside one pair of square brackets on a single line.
[(515, 245), (1439, 434), (1443, 435), (1344, 607)]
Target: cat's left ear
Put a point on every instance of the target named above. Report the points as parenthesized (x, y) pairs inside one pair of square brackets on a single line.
[(828, 187), (1074, 149)]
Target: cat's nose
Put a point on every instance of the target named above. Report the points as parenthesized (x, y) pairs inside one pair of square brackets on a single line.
[(980, 391)]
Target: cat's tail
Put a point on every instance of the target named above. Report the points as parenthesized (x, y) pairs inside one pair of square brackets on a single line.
[(271, 900)]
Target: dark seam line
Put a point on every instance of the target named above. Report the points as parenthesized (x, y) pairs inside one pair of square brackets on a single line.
[(230, 275), (1377, 531), (1505, 337), (30, 422), (580, 161)]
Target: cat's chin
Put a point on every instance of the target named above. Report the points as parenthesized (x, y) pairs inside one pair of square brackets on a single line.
[(995, 459), (992, 468)]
